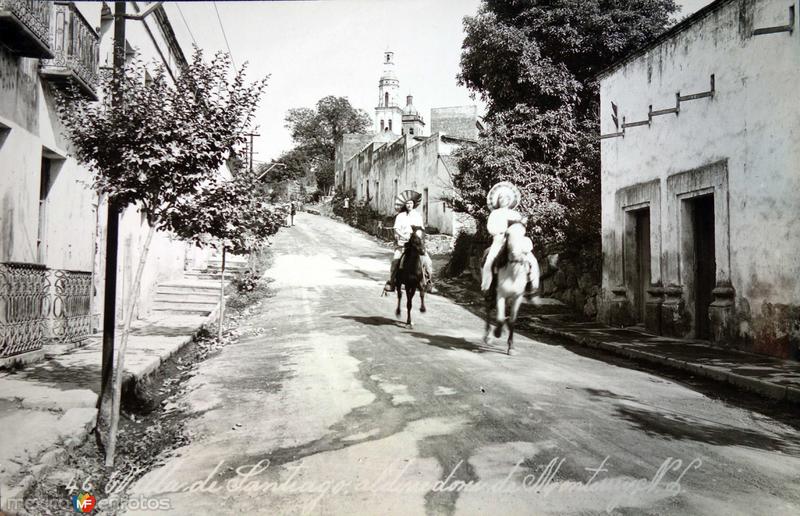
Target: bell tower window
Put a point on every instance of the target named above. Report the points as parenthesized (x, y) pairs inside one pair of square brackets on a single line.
[(386, 99), (390, 124)]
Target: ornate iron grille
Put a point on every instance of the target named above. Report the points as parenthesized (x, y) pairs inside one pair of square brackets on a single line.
[(75, 44), (24, 308), (72, 300), (35, 14)]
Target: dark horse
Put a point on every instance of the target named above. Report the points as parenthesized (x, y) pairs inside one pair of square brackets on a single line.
[(410, 273)]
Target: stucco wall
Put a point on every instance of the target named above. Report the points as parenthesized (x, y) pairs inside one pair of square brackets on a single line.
[(29, 129), (456, 121), (32, 130), (740, 145), (406, 163)]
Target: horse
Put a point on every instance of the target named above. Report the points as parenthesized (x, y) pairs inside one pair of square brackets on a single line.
[(509, 284), (410, 273)]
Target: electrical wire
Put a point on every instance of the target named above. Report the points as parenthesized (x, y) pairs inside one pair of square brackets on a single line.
[(233, 61), (178, 5)]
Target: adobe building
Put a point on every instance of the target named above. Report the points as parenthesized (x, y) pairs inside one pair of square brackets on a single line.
[(399, 155), (700, 180)]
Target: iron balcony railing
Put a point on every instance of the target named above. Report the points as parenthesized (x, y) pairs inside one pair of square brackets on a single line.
[(76, 46), (40, 305), (25, 27)]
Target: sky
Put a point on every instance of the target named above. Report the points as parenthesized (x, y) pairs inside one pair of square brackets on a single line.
[(311, 49)]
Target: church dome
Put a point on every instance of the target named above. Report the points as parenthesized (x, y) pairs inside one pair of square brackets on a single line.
[(410, 109)]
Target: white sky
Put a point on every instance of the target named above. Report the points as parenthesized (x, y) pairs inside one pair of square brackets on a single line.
[(335, 47)]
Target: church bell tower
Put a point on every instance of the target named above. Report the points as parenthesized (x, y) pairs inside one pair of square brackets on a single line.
[(388, 113)]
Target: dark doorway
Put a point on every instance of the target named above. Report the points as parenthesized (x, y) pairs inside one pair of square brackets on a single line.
[(44, 189), (705, 265), (425, 207), (642, 221)]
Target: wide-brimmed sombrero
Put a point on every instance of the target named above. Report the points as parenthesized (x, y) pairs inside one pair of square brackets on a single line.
[(500, 189), (405, 196)]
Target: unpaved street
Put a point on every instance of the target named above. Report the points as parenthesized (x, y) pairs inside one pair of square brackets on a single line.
[(345, 411)]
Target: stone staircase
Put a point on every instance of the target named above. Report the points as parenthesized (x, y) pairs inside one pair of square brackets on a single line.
[(197, 293)]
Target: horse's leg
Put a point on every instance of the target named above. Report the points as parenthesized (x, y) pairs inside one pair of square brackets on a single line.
[(512, 318), (399, 297), (488, 320), (422, 299), (409, 298), (501, 315)]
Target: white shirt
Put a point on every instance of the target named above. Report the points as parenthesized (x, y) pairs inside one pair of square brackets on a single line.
[(403, 223), (498, 220)]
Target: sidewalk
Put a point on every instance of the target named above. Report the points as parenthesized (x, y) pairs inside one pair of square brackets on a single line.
[(767, 376), (770, 377), (49, 406)]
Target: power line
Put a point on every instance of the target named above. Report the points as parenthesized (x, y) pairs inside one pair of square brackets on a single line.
[(178, 5), (233, 61)]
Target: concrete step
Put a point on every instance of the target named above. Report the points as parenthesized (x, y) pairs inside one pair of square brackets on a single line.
[(188, 287), (205, 300), (184, 310), (209, 275), (207, 296)]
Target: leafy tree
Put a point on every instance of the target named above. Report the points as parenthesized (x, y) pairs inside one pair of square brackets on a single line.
[(534, 63), (154, 147), (315, 132), (231, 215)]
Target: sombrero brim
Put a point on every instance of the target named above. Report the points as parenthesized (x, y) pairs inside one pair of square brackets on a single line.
[(504, 187), (405, 196)]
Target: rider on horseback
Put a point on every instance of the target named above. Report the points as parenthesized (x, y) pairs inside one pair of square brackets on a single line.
[(405, 222), (502, 199)]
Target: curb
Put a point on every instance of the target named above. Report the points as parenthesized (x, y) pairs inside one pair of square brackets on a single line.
[(754, 385), (47, 461)]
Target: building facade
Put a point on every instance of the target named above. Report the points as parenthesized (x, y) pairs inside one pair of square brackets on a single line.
[(51, 221), (399, 156), (700, 174)]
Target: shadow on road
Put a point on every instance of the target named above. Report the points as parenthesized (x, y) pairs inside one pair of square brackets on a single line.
[(374, 320), (448, 342), (687, 427)]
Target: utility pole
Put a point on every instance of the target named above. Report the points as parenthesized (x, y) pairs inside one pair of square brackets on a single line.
[(112, 227), (250, 150)]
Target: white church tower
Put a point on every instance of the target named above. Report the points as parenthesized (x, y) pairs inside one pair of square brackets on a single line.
[(388, 113)]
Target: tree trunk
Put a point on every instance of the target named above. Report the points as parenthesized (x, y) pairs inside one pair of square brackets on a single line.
[(116, 399), (221, 297)]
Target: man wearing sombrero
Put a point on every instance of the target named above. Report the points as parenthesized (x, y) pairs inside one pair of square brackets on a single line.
[(406, 219), (502, 199)]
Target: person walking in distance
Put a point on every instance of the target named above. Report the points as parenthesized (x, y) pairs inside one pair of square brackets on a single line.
[(292, 212)]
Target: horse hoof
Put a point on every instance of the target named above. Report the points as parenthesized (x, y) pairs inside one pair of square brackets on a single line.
[(423, 309), (486, 339), (498, 331), (397, 313), (511, 351), (409, 325)]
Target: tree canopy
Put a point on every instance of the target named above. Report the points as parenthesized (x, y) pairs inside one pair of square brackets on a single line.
[(315, 132), (533, 62), (161, 142)]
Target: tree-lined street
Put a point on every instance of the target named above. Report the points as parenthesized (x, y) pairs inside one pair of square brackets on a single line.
[(348, 412)]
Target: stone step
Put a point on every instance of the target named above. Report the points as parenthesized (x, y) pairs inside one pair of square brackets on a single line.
[(208, 275), (185, 307), (187, 287), (184, 310), (208, 296)]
